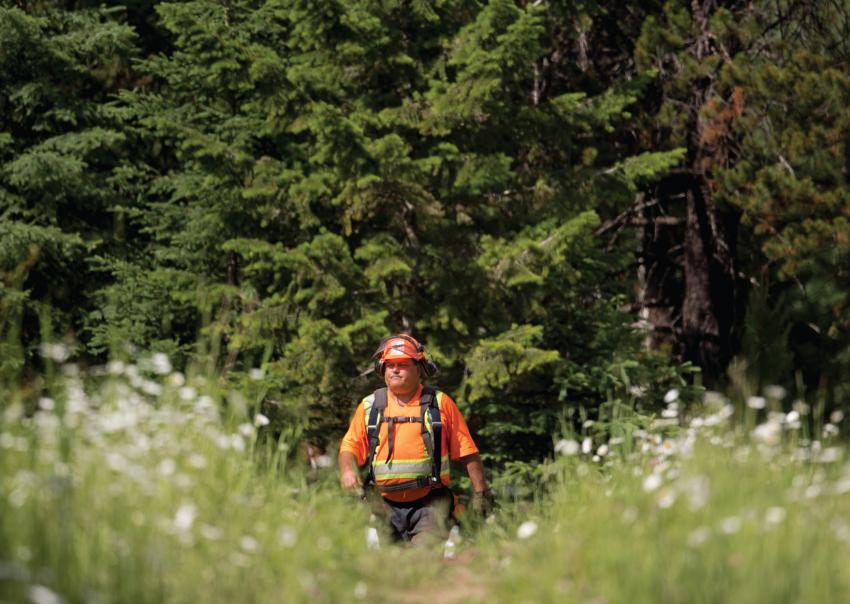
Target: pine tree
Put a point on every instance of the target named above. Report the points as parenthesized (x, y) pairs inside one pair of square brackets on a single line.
[(60, 155)]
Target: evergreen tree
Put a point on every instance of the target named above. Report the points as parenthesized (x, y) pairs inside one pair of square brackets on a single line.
[(60, 165)]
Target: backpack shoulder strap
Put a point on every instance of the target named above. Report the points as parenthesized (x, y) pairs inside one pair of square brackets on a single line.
[(374, 409), (432, 437)]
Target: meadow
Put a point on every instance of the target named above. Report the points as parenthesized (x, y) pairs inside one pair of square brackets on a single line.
[(132, 482)]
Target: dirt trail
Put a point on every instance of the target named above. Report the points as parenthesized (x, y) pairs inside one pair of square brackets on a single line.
[(459, 583)]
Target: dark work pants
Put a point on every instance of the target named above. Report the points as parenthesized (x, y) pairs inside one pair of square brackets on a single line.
[(425, 520)]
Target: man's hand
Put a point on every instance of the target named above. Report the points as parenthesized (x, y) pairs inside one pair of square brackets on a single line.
[(349, 479), (483, 502)]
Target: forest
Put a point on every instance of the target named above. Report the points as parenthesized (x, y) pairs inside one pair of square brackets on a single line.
[(595, 215), (566, 203)]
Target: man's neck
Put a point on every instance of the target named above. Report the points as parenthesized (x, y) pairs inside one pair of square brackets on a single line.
[(403, 399)]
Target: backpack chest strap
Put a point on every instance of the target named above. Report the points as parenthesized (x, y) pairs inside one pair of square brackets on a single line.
[(432, 427), (391, 422)]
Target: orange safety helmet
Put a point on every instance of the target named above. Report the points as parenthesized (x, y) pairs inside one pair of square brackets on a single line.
[(402, 346)]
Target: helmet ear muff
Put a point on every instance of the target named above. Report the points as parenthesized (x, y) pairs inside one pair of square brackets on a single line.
[(429, 368)]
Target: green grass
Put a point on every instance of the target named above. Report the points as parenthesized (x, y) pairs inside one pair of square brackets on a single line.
[(131, 487)]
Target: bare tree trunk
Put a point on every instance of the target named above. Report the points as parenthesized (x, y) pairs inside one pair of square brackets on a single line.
[(692, 296)]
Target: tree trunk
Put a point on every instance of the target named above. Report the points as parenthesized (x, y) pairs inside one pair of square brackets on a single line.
[(710, 300)]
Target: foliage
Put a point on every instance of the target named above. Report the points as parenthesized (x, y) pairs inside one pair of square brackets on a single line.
[(130, 484), (60, 163), (273, 186)]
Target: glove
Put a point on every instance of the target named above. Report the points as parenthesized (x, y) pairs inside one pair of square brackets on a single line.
[(483, 503)]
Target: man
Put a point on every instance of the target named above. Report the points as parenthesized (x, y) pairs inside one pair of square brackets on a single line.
[(404, 421)]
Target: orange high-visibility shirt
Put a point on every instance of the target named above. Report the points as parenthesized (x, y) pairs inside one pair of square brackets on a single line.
[(409, 449)]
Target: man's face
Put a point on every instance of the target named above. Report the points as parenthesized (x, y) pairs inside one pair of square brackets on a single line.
[(401, 376)]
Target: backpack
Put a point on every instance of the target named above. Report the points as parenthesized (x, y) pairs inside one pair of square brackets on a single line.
[(429, 417)]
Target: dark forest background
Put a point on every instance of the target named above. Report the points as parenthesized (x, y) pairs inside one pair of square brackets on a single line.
[(575, 205)]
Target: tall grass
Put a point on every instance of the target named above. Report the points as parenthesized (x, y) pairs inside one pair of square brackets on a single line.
[(132, 485)]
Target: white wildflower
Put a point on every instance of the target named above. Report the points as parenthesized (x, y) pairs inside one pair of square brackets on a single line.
[(526, 529), (830, 430), (205, 405), (115, 367), (602, 451), (588, 423), (176, 379), (261, 420), (237, 443), (630, 514), (774, 516), (840, 529), (256, 374), (651, 482), (372, 540), (667, 447), (775, 416), (836, 416), (132, 372), (587, 445), (210, 533), (246, 430), (769, 433), (185, 517), (775, 392), (792, 421), (712, 398), (670, 413), (39, 594), (813, 491), (671, 396), (830, 455), (248, 544), (658, 424), (666, 498), (287, 537), (697, 491), (360, 591), (160, 364), (730, 525), (55, 352), (637, 391), (322, 461), (595, 459), (567, 447), (450, 546), (239, 559), (756, 402), (151, 388), (698, 536), (801, 407), (187, 393), (46, 404), (197, 461), (167, 467), (117, 462)]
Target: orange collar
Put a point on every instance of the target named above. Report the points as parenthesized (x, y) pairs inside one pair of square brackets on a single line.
[(415, 398)]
